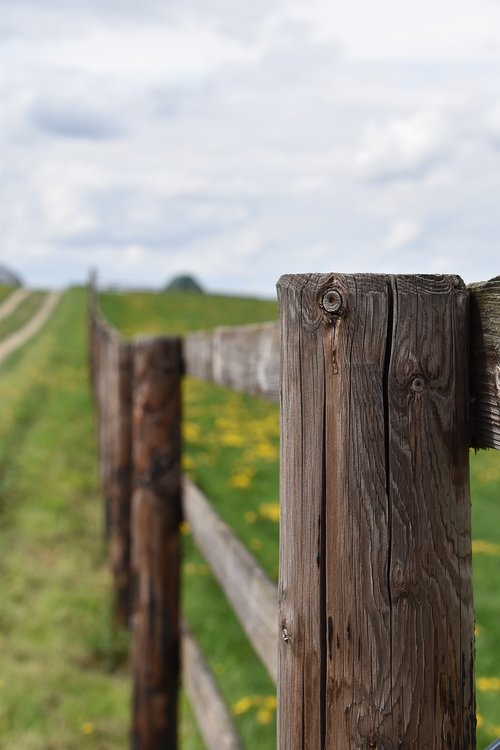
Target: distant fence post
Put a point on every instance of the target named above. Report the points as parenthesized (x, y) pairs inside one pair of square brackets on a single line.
[(156, 514), (120, 475), (375, 595)]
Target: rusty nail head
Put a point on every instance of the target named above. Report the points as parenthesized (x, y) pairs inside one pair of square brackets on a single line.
[(332, 301)]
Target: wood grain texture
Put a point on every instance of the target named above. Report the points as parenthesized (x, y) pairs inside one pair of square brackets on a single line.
[(156, 514), (485, 363), (375, 565), (244, 358), (248, 589), (212, 715)]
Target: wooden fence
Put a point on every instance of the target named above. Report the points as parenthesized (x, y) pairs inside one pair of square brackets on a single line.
[(386, 381)]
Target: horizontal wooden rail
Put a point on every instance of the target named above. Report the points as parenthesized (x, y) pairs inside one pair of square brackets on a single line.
[(245, 358), (485, 363), (252, 595), (212, 715)]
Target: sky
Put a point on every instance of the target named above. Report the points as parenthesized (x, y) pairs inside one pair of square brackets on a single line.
[(237, 141)]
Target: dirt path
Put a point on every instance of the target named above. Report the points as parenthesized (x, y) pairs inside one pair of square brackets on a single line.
[(20, 337), (12, 301)]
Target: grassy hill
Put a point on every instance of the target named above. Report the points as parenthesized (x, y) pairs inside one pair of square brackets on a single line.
[(63, 672)]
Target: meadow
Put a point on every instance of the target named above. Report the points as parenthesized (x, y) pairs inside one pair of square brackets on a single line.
[(63, 669)]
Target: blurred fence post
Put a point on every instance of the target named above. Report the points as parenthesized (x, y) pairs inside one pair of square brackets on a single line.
[(156, 515)]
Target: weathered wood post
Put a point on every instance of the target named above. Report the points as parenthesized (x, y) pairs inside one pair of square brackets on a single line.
[(120, 474), (375, 598), (156, 513), (102, 374)]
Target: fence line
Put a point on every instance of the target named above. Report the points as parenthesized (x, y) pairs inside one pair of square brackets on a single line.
[(375, 612), (251, 594), (137, 393)]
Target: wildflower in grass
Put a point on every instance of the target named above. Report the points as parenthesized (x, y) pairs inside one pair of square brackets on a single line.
[(481, 546), (265, 451), (271, 511), (87, 728), (185, 528), (242, 478), (489, 684), (477, 630), (242, 706), (232, 439), (264, 716), (250, 516), (187, 462), (192, 569), (494, 731), (191, 431)]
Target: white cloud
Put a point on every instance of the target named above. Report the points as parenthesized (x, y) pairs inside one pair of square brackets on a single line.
[(245, 142), (402, 232), (403, 146)]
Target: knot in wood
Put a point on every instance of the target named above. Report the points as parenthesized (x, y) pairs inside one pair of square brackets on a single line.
[(285, 635), (417, 384), (332, 301)]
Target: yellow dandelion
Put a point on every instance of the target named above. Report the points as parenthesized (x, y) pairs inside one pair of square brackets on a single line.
[(242, 706), (271, 511), (264, 716), (232, 439), (266, 451), (489, 684), (185, 528), (478, 630), (479, 720), (87, 728), (242, 478), (481, 546), (271, 702), (187, 462), (191, 431)]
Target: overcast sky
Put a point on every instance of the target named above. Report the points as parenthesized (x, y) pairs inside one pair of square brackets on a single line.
[(241, 140)]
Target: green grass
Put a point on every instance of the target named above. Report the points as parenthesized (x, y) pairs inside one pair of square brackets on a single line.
[(21, 314), (61, 685), (177, 312), (5, 291), (63, 679)]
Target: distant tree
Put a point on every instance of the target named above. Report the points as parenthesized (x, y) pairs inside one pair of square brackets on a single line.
[(9, 278), (184, 283)]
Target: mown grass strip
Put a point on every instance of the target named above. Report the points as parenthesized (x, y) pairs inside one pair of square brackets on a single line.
[(5, 291), (62, 677), (21, 314)]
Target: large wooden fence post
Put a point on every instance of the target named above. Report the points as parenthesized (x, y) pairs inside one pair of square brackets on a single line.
[(376, 620), (156, 513)]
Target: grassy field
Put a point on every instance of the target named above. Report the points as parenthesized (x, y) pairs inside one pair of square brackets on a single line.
[(63, 673)]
